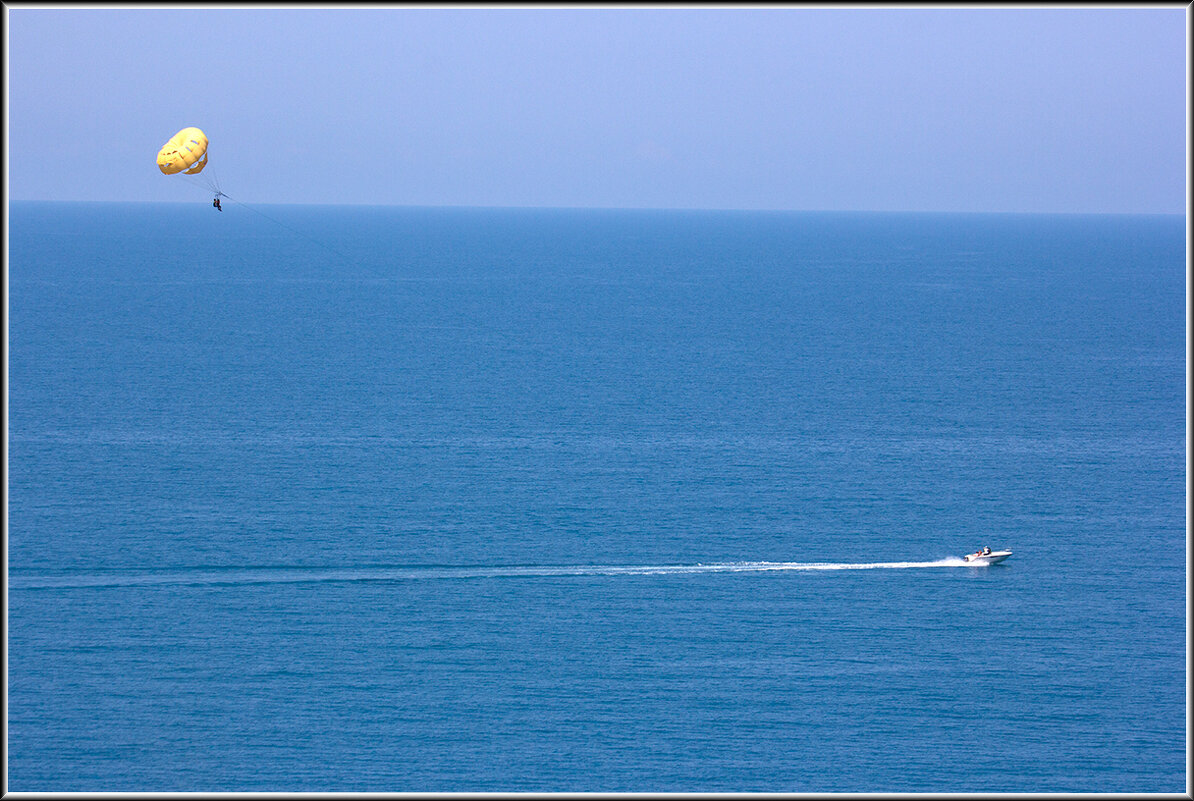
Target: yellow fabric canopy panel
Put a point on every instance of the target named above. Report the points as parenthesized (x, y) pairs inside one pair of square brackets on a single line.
[(186, 152)]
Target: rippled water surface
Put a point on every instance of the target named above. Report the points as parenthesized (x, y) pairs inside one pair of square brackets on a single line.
[(372, 499)]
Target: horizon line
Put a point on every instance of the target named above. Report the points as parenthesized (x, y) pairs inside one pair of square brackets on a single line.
[(446, 206)]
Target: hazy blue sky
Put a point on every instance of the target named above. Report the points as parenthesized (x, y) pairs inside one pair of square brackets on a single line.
[(968, 109)]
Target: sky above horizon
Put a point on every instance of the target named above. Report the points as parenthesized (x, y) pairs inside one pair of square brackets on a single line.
[(1073, 110)]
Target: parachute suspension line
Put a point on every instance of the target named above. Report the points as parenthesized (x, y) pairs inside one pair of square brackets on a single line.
[(207, 182), (215, 184)]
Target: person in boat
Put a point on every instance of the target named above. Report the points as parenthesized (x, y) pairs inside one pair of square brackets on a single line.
[(216, 202), (986, 550)]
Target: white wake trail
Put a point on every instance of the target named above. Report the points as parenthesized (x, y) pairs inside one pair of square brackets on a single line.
[(290, 575)]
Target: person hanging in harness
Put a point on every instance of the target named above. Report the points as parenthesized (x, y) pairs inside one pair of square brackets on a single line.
[(216, 202)]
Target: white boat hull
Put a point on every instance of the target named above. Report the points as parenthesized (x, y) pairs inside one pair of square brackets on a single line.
[(992, 558)]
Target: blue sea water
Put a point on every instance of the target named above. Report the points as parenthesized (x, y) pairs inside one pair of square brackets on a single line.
[(398, 499)]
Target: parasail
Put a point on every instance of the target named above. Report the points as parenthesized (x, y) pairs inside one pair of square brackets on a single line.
[(186, 152)]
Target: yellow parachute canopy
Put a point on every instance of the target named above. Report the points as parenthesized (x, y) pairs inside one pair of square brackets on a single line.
[(186, 151)]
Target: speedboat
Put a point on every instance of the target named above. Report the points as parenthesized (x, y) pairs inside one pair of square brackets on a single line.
[(987, 557)]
